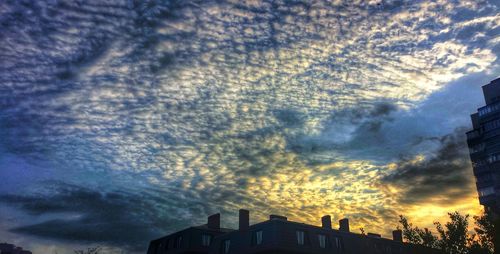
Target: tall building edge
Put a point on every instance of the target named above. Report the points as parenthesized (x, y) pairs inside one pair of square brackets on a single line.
[(484, 147), (484, 150)]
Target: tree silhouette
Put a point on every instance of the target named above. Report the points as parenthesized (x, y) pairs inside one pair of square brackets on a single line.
[(416, 235), (454, 236), (485, 233), (428, 239)]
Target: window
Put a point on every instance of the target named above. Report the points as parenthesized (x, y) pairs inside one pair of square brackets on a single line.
[(257, 237), (178, 242), (322, 241), (206, 239), (486, 191), (167, 242), (493, 158), (300, 237), (225, 246), (338, 242), (488, 109), (388, 249), (492, 125)]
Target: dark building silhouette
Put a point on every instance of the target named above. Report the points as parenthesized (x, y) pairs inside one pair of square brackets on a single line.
[(484, 147), (279, 236), (7, 248)]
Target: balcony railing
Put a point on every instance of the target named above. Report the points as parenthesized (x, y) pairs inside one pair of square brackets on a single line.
[(491, 133), (483, 111)]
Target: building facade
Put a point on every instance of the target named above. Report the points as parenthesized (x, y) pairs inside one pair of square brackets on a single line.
[(484, 147), (279, 236)]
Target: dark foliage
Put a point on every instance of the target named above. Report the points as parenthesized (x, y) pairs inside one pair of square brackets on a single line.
[(454, 236)]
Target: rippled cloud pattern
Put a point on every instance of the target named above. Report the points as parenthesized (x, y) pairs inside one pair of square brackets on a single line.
[(121, 121)]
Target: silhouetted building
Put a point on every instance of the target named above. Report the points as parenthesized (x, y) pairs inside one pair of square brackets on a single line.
[(7, 248), (190, 240), (279, 236), (484, 147)]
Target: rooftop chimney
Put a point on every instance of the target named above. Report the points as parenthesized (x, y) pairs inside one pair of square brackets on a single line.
[(214, 221), (277, 217), (326, 222), (397, 235), (344, 225), (244, 217)]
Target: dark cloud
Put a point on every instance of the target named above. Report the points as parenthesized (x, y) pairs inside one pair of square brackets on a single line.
[(445, 175), (382, 109), (119, 218), (361, 128), (290, 118)]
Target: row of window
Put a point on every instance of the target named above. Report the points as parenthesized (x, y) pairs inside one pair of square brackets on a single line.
[(323, 240), (487, 127), (488, 109), (206, 239), (302, 238), (492, 125), (257, 239), (177, 243), (493, 158), (490, 159)]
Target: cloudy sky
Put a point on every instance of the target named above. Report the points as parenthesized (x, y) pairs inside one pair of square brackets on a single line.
[(122, 121)]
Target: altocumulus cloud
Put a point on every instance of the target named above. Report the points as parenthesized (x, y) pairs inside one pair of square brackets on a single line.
[(162, 112)]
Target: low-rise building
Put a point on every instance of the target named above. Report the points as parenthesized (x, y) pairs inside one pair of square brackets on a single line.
[(278, 235)]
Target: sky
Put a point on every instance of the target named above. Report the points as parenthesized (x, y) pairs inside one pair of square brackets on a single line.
[(123, 121)]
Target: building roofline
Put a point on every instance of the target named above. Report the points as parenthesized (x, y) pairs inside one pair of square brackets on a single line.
[(492, 81), (202, 227), (253, 226)]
